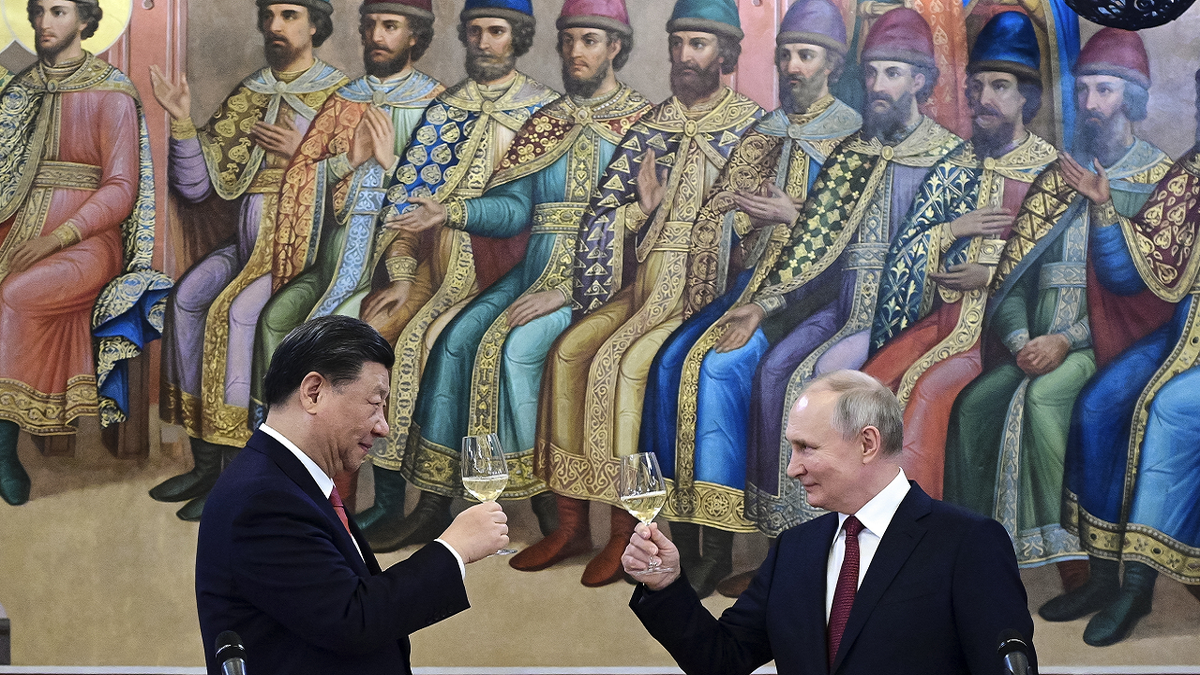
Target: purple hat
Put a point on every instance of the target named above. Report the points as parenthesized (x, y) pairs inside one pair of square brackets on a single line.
[(814, 22), (603, 14)]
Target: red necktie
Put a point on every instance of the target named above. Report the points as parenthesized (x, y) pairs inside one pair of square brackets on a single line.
[(847, 585), (340, 509)]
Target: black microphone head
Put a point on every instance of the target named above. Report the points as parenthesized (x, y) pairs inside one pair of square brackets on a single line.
[(1011, 641), (229, 646)]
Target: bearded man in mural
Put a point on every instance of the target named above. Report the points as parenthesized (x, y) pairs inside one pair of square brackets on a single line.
[(325, 229), (836, 250), (752, 208), (1008, 431), (484, 371), (240, 156), (77, 295), (929, 317), (591, 399), (1131, 475), (432, 270)]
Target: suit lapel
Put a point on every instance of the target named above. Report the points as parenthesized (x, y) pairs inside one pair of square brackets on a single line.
[(815, 560), (902, 536), (291, 466)]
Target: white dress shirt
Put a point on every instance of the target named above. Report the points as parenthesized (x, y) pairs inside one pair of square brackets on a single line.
[(325, 483), (875, 516)]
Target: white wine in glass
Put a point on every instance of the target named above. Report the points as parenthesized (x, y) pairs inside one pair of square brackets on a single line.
[(643, 493), (484, 471)]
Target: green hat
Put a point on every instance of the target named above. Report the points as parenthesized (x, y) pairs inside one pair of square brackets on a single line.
[(707, 16)]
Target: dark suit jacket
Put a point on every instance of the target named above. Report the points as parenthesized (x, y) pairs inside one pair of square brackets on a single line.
[(941, 588), (274, 564)]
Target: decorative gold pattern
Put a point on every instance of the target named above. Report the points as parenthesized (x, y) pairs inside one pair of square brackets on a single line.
[(48, 414), (401, 269)]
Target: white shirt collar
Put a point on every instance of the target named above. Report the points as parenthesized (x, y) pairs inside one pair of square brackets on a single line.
[(877, 514), (324, 482)]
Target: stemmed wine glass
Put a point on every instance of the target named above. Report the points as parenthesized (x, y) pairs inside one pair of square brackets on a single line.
[(485, 471), (643, 493)]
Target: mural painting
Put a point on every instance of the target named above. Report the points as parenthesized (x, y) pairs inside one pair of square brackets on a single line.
[(992, 207)]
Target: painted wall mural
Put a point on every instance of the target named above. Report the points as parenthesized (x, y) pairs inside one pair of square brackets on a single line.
[(990, 206)]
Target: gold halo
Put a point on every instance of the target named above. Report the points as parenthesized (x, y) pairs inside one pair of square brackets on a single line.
[(6, 36), (116, 18)]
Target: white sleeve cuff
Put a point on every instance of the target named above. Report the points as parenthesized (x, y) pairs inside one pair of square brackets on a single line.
[(462, 567)]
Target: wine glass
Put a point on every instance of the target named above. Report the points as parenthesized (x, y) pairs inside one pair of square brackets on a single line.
[(643, 493), (485, 471)]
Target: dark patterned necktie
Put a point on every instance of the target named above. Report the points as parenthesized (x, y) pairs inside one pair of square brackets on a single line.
[(340, 509), (847, 585)]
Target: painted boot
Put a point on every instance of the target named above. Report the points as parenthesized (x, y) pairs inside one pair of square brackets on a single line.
[(383, 519), (573, 537), (206, 459), (429, 518), (606, 567), (14, 481), (1100, 591), (1115, 622)]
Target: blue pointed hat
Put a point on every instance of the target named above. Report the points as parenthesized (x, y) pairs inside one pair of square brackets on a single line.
[(813, 22), (707, 16), (509, 10), (1007, 44)]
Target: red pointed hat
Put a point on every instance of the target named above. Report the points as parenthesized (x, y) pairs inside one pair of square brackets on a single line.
[(603, 14), (901, 34), (1116, 52), (419, 8)]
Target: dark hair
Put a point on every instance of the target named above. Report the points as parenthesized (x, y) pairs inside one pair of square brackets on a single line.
[(522, 34), (622, 56), (89, 14), (1031, 90), (319, 20), (1137, 99), (730, 50), (931, 74), (422, 30), (336, 347)]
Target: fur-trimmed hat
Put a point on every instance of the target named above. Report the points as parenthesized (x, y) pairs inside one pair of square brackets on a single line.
[(707, 16), (509, 10), (421, 9), (323, 6), (901, 34), (602, 14), (1116, 52), (1007, 44), (813, 22)]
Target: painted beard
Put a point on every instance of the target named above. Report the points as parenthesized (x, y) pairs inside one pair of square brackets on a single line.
[(394, 63), (692, 84), (1096, 138), (484, 67), (797, 92), (887, 125), (279, 52), (991, 142), (48, 52), (584, 87)]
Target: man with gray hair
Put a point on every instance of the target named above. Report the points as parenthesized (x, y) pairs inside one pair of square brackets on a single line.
[(931, 586)]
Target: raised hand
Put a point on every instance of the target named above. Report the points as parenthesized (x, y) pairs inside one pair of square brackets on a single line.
[(649, 545), (174, 97), (965, 277), (281, 139), (430, 213), (383, 135), (740, 324), (384, 301), (534, 306), (478, 532), (772, 208), (1094, 186), (991, 222), (651, 185)]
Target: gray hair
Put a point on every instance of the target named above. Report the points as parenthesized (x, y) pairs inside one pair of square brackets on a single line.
[(863, 401)]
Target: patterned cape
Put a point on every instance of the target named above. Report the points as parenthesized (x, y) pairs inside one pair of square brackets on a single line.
[(302, 199), (232, 159), (669, 133), (129, 311), (1162, 237)]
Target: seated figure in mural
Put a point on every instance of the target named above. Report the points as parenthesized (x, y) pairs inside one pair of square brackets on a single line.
[(240, 157), (77, 295), (591, 399), (929, 317), (459, 143), (753, 205), (1131, 477), (1007, 438), (485, 369), (325, 229), (836, 249)]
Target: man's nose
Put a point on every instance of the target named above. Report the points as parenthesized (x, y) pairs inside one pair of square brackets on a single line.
[(381, 427)]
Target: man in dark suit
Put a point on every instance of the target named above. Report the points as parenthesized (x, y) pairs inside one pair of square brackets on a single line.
[(279, 562), (891, 582)]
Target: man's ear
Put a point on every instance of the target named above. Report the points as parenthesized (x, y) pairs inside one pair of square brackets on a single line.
[(872, 443), (311, 389), (918, 83)]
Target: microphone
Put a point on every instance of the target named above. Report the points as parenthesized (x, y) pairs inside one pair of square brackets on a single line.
[(1015, 652), (231, 654)]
